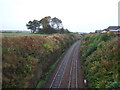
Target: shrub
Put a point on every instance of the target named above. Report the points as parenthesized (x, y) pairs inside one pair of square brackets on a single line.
[(26, 58), (115, 85), (101, 60)]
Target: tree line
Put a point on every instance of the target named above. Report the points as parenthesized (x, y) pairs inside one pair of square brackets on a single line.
[(46, 25)]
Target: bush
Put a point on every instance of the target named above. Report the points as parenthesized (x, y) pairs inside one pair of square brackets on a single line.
[(101, 60), (115, 85), (26, 58)]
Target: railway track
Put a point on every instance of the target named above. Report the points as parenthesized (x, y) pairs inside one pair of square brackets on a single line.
[(73, 77), (56, 82), (67, 72)]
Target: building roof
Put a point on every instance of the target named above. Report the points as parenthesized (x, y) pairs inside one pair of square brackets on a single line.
[(113, 27), (98, 31)]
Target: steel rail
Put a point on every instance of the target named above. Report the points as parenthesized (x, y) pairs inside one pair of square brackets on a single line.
[(73, 66), (62, 65)]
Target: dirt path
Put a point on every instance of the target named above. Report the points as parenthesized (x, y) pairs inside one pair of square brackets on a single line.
[(68, 74)]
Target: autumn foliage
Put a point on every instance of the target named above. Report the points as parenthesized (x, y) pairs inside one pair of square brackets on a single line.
[(25, 58)]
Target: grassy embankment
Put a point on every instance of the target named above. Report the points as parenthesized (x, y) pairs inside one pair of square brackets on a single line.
[(28, 60), (101, 60)]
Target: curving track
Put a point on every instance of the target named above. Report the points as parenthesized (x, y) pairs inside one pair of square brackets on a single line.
[(68, 74)]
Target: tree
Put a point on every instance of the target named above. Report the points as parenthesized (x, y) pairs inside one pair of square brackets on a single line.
[(33, 25), (62, 30), (56, 23), (46, 25), (45, 22)]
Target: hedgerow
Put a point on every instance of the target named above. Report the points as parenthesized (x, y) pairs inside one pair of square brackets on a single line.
[(101, 60)]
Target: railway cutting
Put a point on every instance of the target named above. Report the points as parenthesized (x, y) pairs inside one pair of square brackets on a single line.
[(68, 74)]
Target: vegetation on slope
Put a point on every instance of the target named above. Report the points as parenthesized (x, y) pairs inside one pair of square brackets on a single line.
[(101, 60), (26, 58)]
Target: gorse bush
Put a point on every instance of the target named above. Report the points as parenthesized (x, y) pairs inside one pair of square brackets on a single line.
[(95, 41), (101, 60), (26, 58), (115, 85)]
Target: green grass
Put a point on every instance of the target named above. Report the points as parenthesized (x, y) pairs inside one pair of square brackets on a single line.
[(40, 83), (19, 34)]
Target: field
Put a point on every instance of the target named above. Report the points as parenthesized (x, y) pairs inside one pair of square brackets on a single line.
[(19, 34), (101, 60), (28, 57)]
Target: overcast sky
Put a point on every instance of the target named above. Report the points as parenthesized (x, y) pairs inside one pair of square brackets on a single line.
[(76, 15)]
